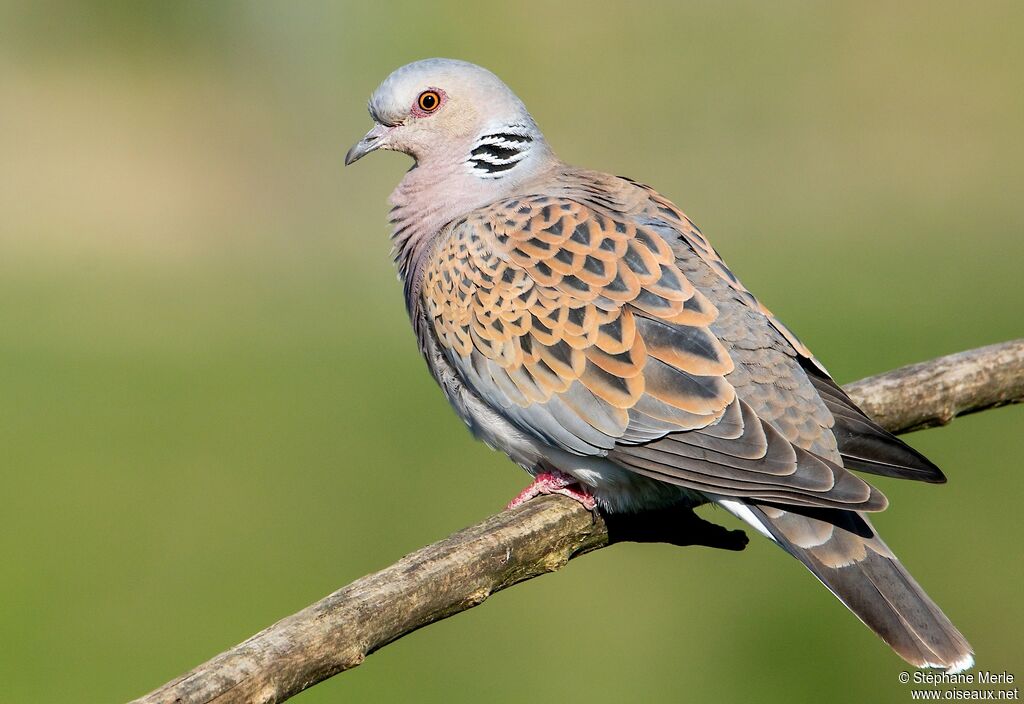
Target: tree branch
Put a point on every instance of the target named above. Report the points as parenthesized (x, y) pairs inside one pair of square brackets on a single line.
[(933, 393), (460, 572)]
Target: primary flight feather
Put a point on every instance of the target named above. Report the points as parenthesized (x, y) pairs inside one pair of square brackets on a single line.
[(582, 324)]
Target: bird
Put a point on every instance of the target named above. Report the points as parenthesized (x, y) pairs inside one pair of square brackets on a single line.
[(582, 324)]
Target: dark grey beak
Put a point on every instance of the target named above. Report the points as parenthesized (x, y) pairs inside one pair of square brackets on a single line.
[(374, 139)]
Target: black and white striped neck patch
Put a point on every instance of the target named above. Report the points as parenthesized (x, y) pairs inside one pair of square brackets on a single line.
[(494, 154)]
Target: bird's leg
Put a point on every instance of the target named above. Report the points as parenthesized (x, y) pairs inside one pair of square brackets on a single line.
[(552, 481)]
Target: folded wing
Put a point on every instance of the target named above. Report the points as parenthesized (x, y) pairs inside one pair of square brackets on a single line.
[(575, 322)]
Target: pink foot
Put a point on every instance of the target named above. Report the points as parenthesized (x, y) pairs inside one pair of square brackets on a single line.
[(555, 482)]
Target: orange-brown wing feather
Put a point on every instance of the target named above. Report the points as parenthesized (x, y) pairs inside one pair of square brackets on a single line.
[(575, 322), (863, 444), (662, 208)]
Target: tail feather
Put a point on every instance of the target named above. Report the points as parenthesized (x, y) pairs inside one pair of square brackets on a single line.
[(842, 549)]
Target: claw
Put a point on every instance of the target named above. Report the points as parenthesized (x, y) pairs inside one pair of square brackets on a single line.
[(555, 482)]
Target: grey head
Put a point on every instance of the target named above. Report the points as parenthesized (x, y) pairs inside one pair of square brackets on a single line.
[(455, 116)]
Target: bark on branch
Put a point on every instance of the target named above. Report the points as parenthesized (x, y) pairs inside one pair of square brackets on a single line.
[(460, 572)]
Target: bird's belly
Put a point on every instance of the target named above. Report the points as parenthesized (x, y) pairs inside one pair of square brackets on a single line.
[(617, 489), (483, 422)]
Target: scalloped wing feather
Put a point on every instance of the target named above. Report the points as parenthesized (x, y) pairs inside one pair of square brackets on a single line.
[(570, 315)]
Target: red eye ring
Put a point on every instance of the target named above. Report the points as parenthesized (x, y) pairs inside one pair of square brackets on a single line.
[(428, 102)]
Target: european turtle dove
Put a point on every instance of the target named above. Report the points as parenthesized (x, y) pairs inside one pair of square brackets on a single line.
[(582, 324)]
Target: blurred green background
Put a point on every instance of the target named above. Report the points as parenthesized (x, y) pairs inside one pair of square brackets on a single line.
[(212, 410)]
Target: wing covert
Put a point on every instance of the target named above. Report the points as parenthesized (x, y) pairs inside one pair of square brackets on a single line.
[(574, 321)]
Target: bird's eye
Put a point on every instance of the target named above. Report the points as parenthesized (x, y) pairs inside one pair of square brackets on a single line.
[(429, 101)]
